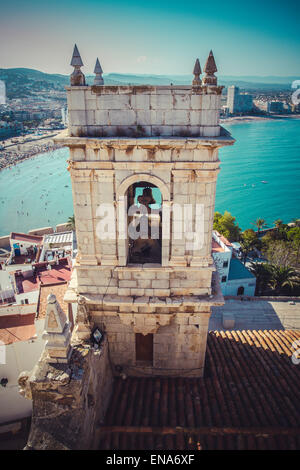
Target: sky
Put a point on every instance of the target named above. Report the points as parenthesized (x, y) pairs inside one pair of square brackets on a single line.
[(258, 37)]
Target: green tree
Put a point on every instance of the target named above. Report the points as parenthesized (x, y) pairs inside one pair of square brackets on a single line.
[(71, 223), (281, 276), (225, 224), (294, 236), (260, 224)]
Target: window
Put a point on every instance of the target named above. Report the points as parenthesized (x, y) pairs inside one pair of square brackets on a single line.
[(144, 348), (224, 278), (225, 264), (240, 290)]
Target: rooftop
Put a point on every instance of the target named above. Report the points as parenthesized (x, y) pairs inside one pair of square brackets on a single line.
[(238, 271), (34, 239), (247, 399), (58, 290), (62, 237), (216, 248), (15, 328), (60, 273)]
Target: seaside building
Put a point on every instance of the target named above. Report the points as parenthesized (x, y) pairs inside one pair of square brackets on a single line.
[(26, 279), (238, 102), (235, 278), (275, 107), (141, 369)]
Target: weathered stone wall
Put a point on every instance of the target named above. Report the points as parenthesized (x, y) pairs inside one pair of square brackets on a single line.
[(144, 280), (69, 400), (179, 340), (139, 111)]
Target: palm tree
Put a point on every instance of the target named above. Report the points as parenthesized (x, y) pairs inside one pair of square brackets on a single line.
[(71, 223), (262, 273), (281, 276), (248, 242), (260, 224)]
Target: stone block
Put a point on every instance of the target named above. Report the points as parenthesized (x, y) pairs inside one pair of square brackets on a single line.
[(122, 117), (160, 284), (119, 102)]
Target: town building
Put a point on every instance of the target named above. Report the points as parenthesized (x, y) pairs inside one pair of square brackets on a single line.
[(26, 279), (275, 107), (235, 278), (238, 102)]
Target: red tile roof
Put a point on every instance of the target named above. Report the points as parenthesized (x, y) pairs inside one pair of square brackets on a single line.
[(216, 247), (34, 239), (14, 328), (248, 399)]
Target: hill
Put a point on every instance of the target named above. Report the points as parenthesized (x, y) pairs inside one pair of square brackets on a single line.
[(23, 82)]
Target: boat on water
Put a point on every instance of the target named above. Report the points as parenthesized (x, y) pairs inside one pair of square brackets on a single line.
[(265, 182)]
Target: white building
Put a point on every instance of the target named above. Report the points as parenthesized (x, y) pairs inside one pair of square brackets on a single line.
[(22, 346), (235, 278), (237, 102), (6, 288)]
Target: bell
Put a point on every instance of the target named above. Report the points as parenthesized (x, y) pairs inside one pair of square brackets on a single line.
[(147, 197)]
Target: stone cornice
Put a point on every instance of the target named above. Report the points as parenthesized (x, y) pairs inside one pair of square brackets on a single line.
[(160, 143)]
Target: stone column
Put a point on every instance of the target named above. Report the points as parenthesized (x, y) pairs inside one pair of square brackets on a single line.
[(57, 333)]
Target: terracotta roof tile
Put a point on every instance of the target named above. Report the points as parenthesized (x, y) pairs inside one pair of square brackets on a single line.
[(35, 239), (247, 399)]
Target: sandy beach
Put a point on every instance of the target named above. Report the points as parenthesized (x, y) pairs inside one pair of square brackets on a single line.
[(235, 119), (17, 149)]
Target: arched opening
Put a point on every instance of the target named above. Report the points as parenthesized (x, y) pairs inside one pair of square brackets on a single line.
[(144, 223), (240, 290)]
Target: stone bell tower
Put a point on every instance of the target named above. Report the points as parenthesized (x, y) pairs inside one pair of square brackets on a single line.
[(151, 147)]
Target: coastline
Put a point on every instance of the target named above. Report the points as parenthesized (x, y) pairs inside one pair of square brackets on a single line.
[(250, 118), (18, 152)]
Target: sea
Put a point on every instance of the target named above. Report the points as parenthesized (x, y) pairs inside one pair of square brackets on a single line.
[(259, 178)]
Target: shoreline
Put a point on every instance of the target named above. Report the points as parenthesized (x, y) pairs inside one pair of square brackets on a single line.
[(250, 118), (18, 152)]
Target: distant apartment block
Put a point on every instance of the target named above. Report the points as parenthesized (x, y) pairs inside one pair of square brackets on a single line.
[(275, 107), (237, 102), (2, 92)]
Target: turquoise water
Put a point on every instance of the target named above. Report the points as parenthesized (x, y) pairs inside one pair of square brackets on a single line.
[(264, 151)]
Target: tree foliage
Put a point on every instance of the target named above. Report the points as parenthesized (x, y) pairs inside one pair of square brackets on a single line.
[(226, 225)]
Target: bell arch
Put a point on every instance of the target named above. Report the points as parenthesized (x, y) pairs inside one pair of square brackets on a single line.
[(122, 219)]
